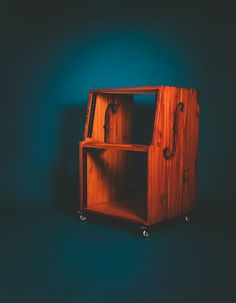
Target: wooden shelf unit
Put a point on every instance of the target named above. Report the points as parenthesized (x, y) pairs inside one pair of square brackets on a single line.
[(142, 183)]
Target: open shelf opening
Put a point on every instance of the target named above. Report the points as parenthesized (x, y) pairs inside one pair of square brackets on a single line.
[(122, 118), (117, 183)]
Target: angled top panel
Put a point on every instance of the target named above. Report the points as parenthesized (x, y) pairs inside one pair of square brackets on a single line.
[(129, 90), (142, 90)]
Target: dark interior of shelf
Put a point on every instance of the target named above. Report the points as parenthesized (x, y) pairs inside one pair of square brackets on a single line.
[(143, 118)]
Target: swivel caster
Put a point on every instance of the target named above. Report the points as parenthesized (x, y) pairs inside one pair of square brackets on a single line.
[(145, 232), (81, 215), (187, 218)]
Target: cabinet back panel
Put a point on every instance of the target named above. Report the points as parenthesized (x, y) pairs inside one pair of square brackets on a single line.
[(108, 175)]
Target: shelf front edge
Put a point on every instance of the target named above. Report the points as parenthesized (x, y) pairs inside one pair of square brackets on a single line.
[(128, 147)]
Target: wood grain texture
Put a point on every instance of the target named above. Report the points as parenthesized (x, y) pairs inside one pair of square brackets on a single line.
[(172, 183), (120, 122), (106, 168), (111, 177), (122, 209), (82, 178), (107, 179)]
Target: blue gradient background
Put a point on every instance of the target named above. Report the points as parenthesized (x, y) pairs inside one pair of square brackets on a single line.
[(52, 54)]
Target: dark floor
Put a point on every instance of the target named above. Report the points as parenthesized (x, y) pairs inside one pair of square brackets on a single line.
[(49, 256)]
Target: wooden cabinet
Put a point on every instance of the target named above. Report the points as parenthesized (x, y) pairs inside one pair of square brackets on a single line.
[(140, 163)]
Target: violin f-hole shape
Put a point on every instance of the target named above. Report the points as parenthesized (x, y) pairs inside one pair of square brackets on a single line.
[(111, 108), (169, 153)]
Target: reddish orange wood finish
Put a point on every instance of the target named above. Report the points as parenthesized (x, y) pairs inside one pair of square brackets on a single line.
[(120, 121), (169, 185), (131, 147), (119, 209)]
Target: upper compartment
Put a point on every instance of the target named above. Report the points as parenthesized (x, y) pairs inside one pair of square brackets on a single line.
[(121, 116)]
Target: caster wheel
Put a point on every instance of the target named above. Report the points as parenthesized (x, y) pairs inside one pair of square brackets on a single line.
[(82, 217), (145, 233), (187, 219)]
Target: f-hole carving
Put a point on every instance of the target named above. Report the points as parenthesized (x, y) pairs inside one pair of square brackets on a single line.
[(168, 153), (111, 108)]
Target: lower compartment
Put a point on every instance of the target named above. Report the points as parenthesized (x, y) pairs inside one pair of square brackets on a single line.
[(116, 183)]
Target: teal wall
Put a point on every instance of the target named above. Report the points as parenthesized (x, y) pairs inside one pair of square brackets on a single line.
[(53, 53)]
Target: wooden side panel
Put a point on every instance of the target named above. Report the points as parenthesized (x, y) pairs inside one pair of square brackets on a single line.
[(172, 182), (120, 122), (152, 187), (160, 172), (190, 148)]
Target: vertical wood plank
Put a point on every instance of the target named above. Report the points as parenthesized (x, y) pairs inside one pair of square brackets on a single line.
[(173, 182)]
